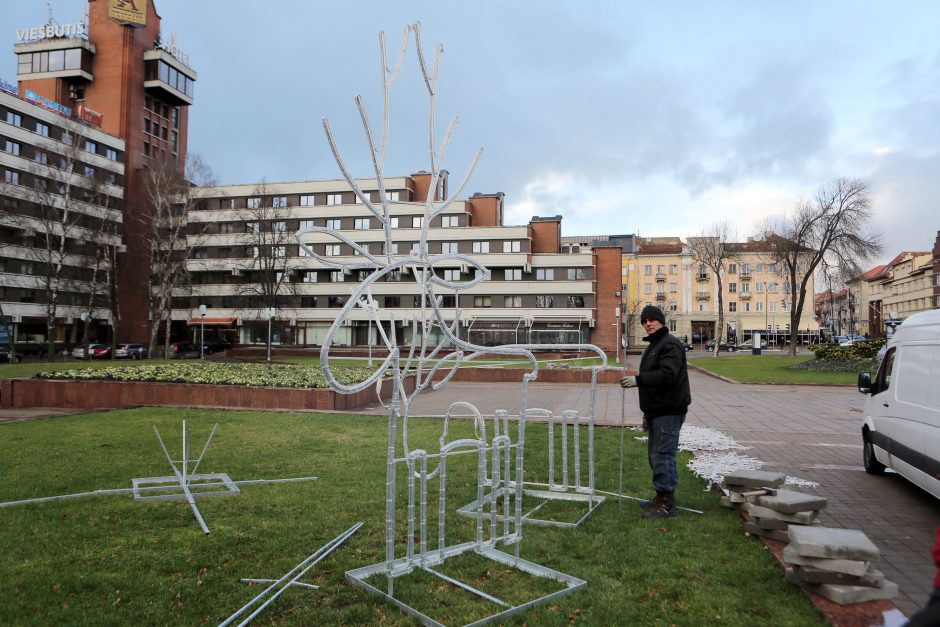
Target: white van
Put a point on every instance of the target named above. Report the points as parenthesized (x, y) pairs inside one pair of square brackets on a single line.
[(902, 416)]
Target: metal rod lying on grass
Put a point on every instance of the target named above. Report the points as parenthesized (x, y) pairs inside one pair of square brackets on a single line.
[(303, 567), (636, 498)]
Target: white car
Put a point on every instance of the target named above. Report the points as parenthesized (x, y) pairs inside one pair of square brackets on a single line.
[(901, 427)]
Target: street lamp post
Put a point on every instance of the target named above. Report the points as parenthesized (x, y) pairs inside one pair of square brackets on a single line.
[(202, 331), (270, 312), (617, 322), (766, 323)]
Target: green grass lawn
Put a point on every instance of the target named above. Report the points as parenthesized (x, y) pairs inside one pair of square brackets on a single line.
[(110, 560), (768, 368)]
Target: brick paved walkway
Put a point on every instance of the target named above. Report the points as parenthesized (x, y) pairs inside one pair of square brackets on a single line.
[(804, 431)]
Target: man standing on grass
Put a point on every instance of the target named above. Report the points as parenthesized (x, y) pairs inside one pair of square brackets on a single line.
[(663, 384)]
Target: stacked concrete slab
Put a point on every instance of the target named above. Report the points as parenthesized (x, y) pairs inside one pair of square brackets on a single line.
[(836, 564), (772, 509)]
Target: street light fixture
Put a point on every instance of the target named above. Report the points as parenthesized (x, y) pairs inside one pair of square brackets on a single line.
[(202, 331), (270, 312)]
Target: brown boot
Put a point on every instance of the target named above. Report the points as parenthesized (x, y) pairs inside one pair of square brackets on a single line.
[(649, 503), (664, 506)]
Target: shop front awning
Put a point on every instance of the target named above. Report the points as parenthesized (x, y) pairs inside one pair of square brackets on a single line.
[(218, 322)]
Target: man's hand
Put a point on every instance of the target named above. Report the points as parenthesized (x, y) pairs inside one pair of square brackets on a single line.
[(628, 382)]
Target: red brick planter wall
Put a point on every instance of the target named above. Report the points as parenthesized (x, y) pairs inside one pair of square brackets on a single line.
[(120, 394)]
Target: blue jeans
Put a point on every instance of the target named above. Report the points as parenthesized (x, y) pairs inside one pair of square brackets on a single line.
[(662, 446)]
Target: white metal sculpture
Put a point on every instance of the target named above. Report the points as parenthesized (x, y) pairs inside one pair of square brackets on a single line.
[(435, 351)]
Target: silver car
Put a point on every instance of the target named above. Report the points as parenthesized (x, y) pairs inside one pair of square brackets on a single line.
[(131, 351)]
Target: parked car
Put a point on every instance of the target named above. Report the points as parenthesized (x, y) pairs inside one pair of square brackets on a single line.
[(184, 350), (79, 351), (215, 346), (851, 340), (101, 351), (901, 424), (687, 346), (746, 346), (131, 351), (5, 356), (723, 346)]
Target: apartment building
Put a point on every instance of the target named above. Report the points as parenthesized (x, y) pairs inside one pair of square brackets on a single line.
[(245, 261), (62, 196), (755, 293), (889, 293), (115, 68)]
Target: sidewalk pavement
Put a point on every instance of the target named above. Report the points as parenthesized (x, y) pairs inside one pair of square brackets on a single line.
[(809, 432)]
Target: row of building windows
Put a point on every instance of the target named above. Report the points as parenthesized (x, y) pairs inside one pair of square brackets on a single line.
[(396, 275), (276, 249), (447, 301), (66, 137), (49, 61), (302, 200)]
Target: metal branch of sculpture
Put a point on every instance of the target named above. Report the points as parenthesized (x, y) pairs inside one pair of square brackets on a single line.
[(430, 358)]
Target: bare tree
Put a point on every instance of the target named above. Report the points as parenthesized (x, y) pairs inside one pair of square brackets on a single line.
[(71, 215), (266, 272), (712, 249), (172, 236), (831, 229)]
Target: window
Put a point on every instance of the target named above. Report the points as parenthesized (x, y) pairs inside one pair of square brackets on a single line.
[(448, 248), (450, 221), (446, 301), (336, 301), (747, 306), (760, 307), (226, 203), (576, 302), (393, 196), (337, 276), (66, 137), (364, 247), (746, 288), (760, 267), (512, 274), (673, 269), (393, 250), (393, 223), (278, 252), (254, 203), (482, 301), (251, 251), (361, 224), (392, 301), (451, 275), (334, 223), (42, 129), (15, 119), (773, 306), (279, 202), (760, 288), (252, 227), (111, 154), (306, 224), (647, 288), (332, 250), (544, 302), (304, 251), (308, 302), (732, 307), (90, 146), (225, 253), (481, 247), (279, 227), (41, 157), (393, 276), (306, 201), (648, 270), (416, 222), (89, 172), (512, 301), (11, 176), (673, 307), (201, 253), (227, 227), (513, 246), (576, 274), (732, 288), (334, 199), (544, 274), (673, 288), (309, 276), (772, 267), (11, 147)]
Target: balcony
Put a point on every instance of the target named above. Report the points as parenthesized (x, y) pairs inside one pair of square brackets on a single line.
[(168, 78), (702, 296), (745, 276), (660, 276), (701, 276), (744, 296), (660, 297)]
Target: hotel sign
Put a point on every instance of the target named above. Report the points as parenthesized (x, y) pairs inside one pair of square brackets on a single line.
[(132, 12), (46, 103), (48, 31), (90, 115), (10, 88)]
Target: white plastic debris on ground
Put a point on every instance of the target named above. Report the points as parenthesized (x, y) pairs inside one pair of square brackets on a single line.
[(713, 466), (705, 439)]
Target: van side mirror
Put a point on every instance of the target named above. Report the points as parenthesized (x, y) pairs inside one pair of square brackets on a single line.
[(864, 383)]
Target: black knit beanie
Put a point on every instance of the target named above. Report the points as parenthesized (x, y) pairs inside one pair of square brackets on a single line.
[(652, 312)]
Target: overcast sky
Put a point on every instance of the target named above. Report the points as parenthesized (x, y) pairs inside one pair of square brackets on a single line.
[(623, 117)]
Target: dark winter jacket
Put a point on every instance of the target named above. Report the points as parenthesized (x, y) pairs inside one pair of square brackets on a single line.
[(663, 381)]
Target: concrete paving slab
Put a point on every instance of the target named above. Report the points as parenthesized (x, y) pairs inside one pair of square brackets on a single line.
[(849, 567), (773, 534), (873, 578), (753, 479), (832, 543), (801, 518), (791, 501), (845, 595)]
